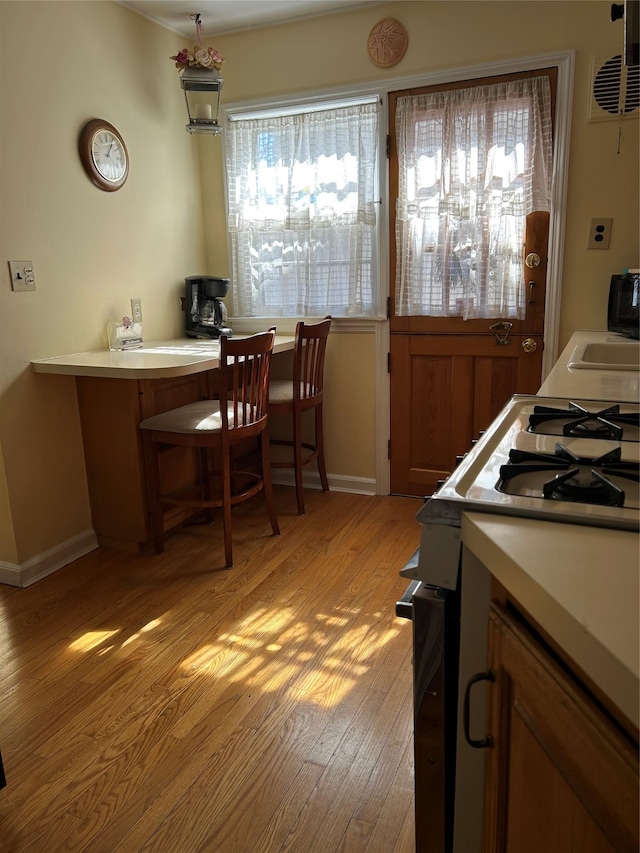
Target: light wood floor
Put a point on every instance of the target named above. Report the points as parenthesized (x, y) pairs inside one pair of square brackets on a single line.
[(162, 703)]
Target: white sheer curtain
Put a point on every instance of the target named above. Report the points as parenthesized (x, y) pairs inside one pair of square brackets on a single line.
[(472, 164), (302, 220)]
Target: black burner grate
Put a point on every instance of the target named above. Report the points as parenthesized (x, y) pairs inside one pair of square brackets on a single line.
[(608, 423), (578, 479)]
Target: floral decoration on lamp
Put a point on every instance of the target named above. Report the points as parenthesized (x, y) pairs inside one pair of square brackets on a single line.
[(199, 57)]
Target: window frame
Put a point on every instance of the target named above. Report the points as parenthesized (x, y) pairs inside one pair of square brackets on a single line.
[(311, 102), (324, 105)]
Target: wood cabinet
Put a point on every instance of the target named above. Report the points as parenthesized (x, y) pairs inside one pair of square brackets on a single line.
[(562, 775), (110, 414)]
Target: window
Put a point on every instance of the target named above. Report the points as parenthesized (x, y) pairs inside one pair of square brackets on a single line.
[(472, 164), (302, 211)]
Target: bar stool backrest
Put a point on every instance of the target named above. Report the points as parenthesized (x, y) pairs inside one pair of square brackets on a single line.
[(308, 364), (244, 372)]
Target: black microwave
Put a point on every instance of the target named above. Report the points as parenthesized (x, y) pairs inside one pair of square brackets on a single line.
[(624, 302)]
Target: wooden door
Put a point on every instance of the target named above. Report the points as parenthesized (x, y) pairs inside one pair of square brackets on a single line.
[(560, 777), (445, 389), (450, 377)]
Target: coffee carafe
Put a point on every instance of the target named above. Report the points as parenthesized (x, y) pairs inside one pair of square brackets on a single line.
[(205, 314)]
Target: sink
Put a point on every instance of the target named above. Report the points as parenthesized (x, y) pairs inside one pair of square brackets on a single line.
[(607, 355)]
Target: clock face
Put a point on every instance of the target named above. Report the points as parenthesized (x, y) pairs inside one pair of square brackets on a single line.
[(103, 154), (109, 156)]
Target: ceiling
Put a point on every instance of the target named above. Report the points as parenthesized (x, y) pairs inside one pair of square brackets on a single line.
[(223, 16)]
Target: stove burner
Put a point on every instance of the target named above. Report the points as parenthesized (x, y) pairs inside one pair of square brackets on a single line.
[(607, 423), (598, 490), (583, 480)]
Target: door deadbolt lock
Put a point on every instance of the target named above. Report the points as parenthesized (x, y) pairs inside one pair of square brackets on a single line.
[(529, 345), (532, 260)]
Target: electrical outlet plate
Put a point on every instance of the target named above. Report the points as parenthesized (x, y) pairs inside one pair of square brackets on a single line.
[(600, 233), (23, 276), (136, 310)]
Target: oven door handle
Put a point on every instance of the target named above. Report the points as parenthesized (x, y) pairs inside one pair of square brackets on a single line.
[(486, 742)]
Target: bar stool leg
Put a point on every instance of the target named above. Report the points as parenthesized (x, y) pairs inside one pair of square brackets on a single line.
[(152, 454), (297, 460), (267, 484), (208, 480), (320, 449), (226, 506)]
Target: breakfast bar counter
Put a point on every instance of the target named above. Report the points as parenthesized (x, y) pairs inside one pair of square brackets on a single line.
[(155, 360), (118, 390)]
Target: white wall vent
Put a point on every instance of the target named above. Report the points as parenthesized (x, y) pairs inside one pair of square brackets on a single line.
[(614, 90)]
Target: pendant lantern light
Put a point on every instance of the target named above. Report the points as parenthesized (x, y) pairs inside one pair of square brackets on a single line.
[(201, 83)]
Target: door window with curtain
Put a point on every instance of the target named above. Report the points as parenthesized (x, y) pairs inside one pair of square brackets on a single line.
[(472, 164), (301, 211)]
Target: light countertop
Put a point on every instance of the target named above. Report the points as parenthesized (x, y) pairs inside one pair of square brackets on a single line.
[(581, 584), (612, 385), (155, 360)]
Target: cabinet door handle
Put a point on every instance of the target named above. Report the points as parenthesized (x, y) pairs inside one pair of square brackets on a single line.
[(486, 742)]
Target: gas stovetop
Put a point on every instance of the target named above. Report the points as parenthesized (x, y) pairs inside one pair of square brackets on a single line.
[(573, 461)]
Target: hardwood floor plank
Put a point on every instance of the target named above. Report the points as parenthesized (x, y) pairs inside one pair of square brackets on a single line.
[(160, 703), (287, 811), (404, 776), (267, 786), (385, 771), (356, 837), (342, 805), (173, 767), (406, 841), (331, 795), (389, 824)]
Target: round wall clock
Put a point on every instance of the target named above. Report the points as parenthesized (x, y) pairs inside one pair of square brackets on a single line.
[(387, 42), (103, 154)]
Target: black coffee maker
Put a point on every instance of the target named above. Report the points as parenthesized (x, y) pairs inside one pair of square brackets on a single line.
[(205, 314)]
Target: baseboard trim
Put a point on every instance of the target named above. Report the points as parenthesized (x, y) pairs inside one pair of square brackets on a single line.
[(337, 483), (36, 568), (25, 574)]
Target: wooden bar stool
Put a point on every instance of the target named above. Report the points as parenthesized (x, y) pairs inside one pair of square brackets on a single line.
[(216, 427), (304, 392)]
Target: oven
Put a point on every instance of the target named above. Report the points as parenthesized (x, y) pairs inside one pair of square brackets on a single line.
[(435, 617), (546, 458)]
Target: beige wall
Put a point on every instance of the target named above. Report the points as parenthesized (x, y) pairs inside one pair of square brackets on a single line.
[(62, 63), (68, 62)]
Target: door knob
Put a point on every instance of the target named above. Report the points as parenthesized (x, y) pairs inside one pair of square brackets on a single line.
[(532, 260), (529, 345)]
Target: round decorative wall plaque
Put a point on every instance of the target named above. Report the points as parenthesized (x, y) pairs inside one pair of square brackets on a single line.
[(387, 42)]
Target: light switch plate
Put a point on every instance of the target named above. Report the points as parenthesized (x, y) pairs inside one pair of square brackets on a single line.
[(136, 309), (23, 276)]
